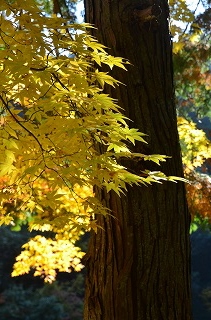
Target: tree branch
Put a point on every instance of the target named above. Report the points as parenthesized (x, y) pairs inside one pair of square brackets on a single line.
[(20, 124)]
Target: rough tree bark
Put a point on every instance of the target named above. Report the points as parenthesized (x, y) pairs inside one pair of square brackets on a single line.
[(138, 263)]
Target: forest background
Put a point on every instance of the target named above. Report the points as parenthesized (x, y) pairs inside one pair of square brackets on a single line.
[(192, 85)]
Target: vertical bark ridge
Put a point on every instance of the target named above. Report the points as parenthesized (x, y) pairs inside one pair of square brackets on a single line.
[(138, 262)]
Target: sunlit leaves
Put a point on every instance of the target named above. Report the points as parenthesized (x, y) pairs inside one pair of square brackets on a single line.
[(195, 146), (5, 220), (55, 111), (60, 135), (43, 254), (196, 149)]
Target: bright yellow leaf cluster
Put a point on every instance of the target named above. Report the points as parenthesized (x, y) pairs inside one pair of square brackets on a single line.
[(45, 255), (195, 146)]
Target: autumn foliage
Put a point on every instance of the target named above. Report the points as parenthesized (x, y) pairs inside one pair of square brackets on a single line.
[(199, 195), (60, 135)]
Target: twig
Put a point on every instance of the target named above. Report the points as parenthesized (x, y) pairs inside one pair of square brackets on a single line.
[(20, 124)]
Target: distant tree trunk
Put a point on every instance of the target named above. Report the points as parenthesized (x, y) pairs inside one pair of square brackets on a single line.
[(138, 263)]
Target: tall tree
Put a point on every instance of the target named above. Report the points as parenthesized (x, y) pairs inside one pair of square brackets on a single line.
[(138, 261)]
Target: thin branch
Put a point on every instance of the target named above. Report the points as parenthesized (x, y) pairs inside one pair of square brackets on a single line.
[(57, 79), (20, 124), (39, 69)]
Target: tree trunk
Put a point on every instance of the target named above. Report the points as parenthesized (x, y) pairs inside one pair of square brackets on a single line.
[(138, 263)]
